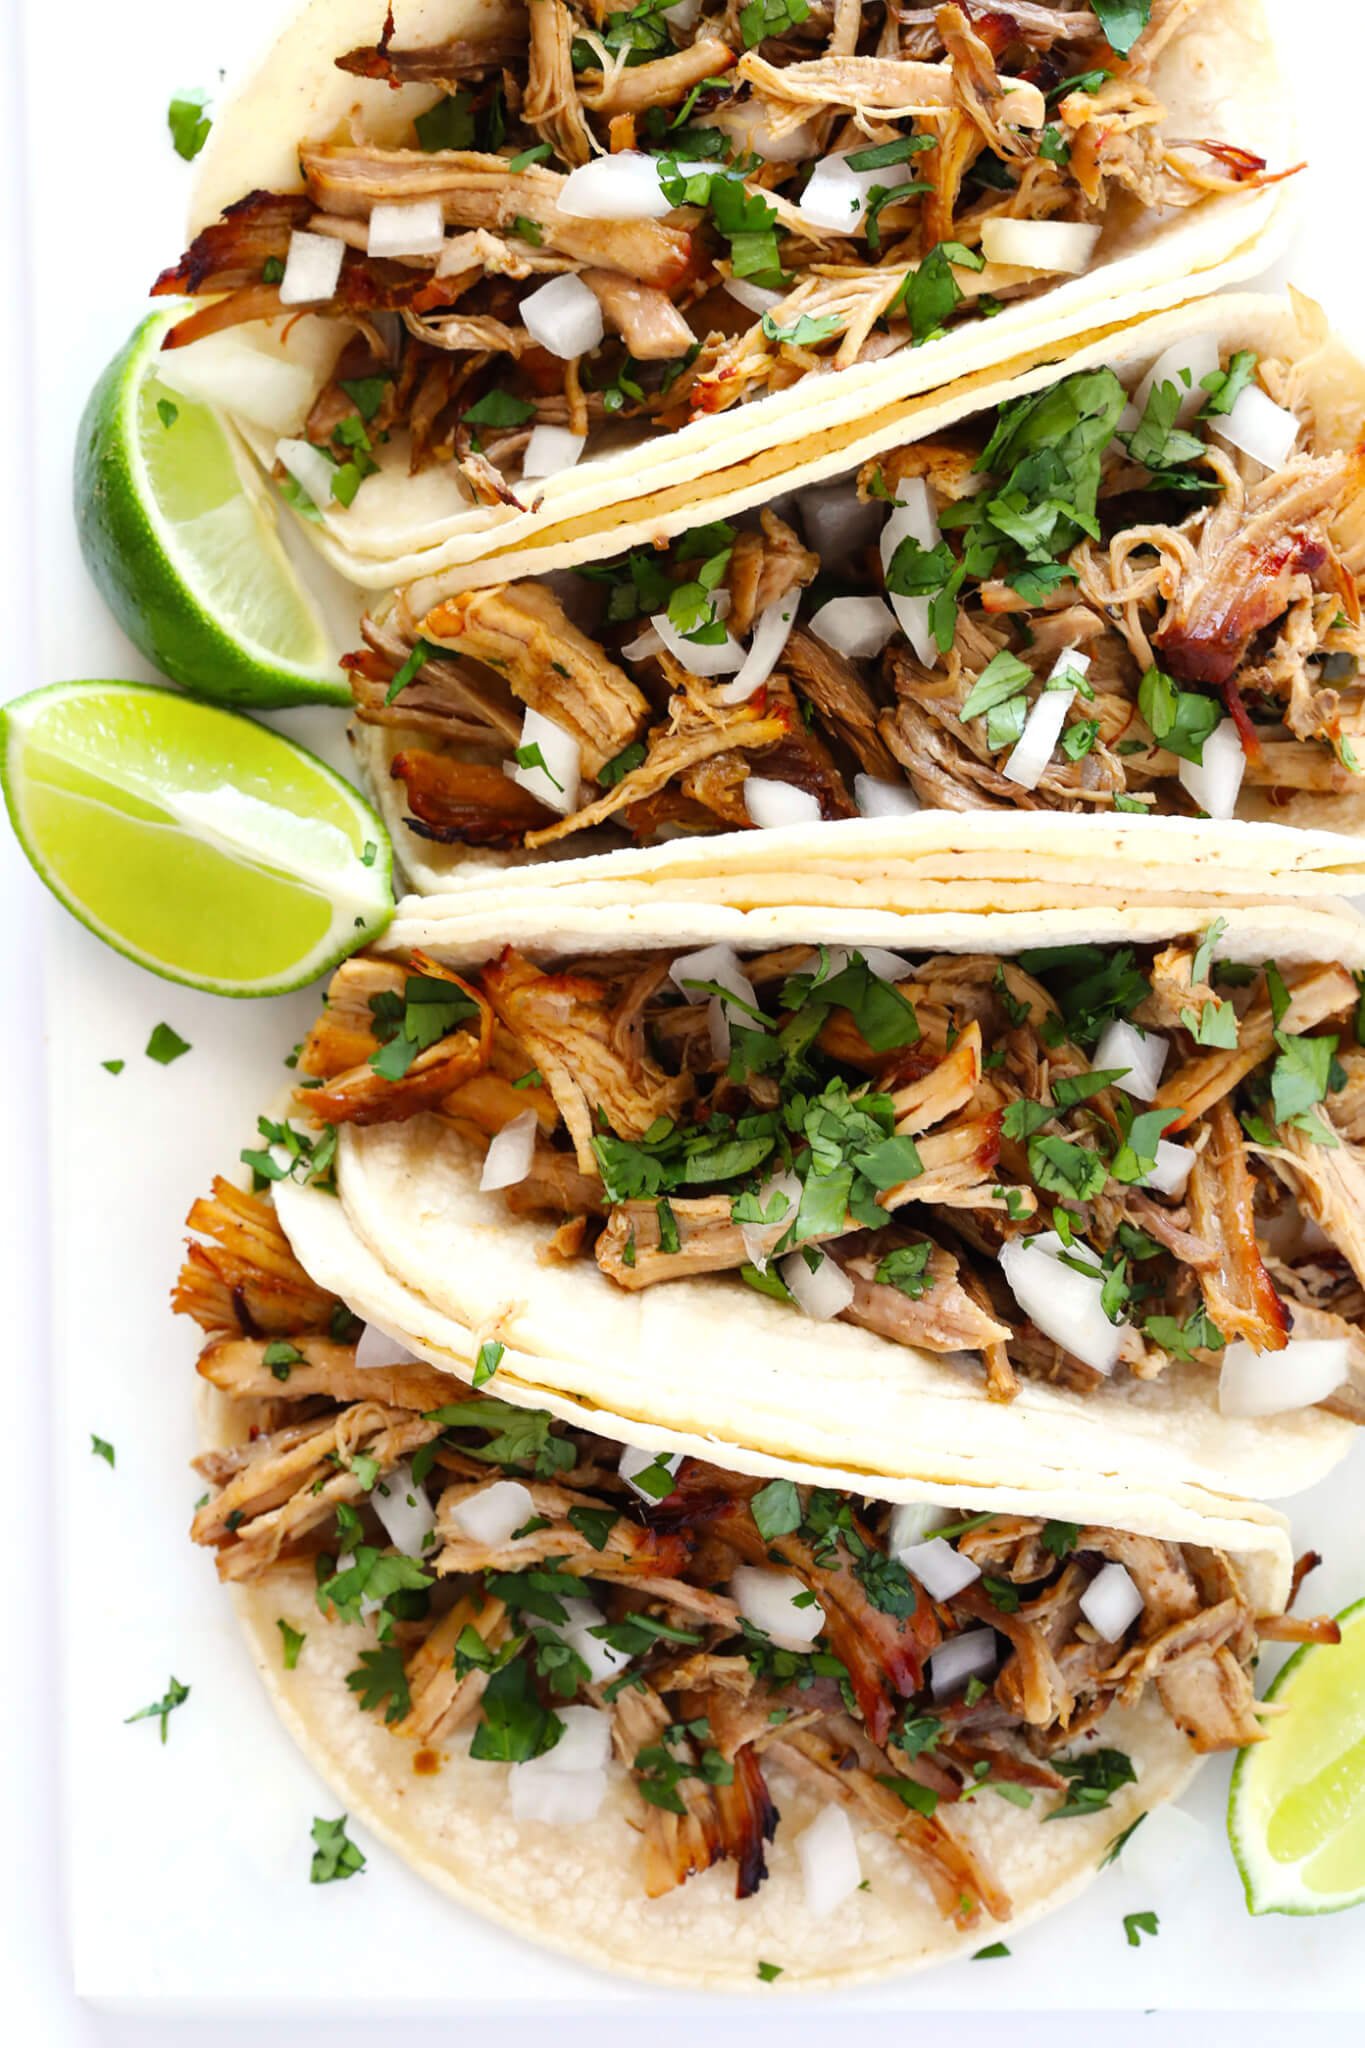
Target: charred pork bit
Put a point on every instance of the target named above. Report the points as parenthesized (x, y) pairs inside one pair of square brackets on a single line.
[(1238, 1292), (467, 803), (676, 1845), (442, 1702), (766, 566), (522, 631), (646, 319), (832, 686), (997, 107), (244, 1279)]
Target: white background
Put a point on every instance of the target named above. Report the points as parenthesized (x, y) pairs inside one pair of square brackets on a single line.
[(93, 86)]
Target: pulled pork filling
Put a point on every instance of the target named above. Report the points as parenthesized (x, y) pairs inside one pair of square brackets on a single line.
[(1066, 604), (1077, 1162), (717, 1636), (648, 221)]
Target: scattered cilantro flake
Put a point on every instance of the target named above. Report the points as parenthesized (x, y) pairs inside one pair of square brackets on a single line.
[(776, 1509), (992, 1954), (161, 1710), (768, 1973), (113, 1066), (102, 1448), (380, 1676), (447, 125), (488, 1361), (189, 121), (281, 1357), (1135, 1925), (499, 408), (166, 1045), (167, 412), (1122, 21), (1094, 1778), (292, 1641), (335, 1856)]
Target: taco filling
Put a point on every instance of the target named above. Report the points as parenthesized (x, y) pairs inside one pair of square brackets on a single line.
[(1081, 1163), (595, 1616), (648, 213), (1081, 600)]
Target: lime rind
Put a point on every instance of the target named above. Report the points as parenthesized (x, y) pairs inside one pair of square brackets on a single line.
[(353, 899), (199, 618), (1273, 1885)]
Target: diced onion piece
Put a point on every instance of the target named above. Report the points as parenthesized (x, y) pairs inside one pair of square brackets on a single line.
[(1143, 1053), (643, 645), (1111, 1603), (1307, 1370), (755, 298), (585, 1744), (701, 657), (720, 964), (377, 1347), (621, 187), (1037, 743), (857, 627), (409, 227), (748, 125), (225, 370), (822, 1294), (830, 1871), (601, 1659), (759, 1238), (962, 1658), (913, 1522), (1215, 782), (556, 1799), (509, 1155), (912, 519), (551, 449), (768, 1600), (941, 1570), (772, 803), (632, 1462), (402, 1506), (556, 784), (564, 317), (838, 525), (1169, 1842), (1259, 427), (1184, 364), (309, 468), (878, 799), (683, 14), (1172, 1170), (836, 195), (1061, 245), (771, 635), (490, 1515), (311, 268), (886, 966), (1063, 1303)]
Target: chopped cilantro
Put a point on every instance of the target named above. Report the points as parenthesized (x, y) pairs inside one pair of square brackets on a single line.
[(101, 1448), (161, 1710), (335, 1856), (380, 1676), (189, 121), (1135, 1925), (165, 1045), (776, 1509), (1094, 1778), (292, 1640), (487, 1362)]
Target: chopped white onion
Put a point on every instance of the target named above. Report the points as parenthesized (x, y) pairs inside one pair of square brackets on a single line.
[(822, 1294), (1063, 1303), (402, 1506), (1170, 1842), (912, 519), (718, 1024), (760, 1238), (755, 298), (749, 127), (1174, 1164), (700, 657), (555, 1799), (878, 799), (1037, 743), (772, 803), (1184, 364), (683, 14), (941, 1570), (509, 1155), (225, 370), (643, 645), (771, 634), (768, 1600), (1259, 427), (564, 317), (836, 196), (311, 268), (1111, 1603), (1062, 245), (490, 1515), (1215, 782), (556, 783), (621, 187), (969, 1655), (1143, 1053), (1307, 1370), (857, 627), (408, 227), (838, 524), (551, 449), (309, 468), (585, 1744), (886, 966), (913, 1522), (377, 1347), (719, 964), (632, 1462), (830, 1871), (601, 1659)]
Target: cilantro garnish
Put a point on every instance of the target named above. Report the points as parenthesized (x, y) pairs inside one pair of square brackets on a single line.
[(1180, 720), (1135, 1925), (1094, 1778), (487, 1362), (407, 1024), (423, 652), (990, 1954), (907, 1268), (768, 1973), (102, 1448), (293, 1640), (594, 1524), (165, 1045), (499, 408), (380, 1676), (189, 121), (1122, 21), (335, 1856), (514, 1726), (919, 1798), (776, 1509), (161, 1710)]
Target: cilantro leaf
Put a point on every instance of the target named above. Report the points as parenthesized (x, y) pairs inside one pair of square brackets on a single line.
[(776, 1509), (161, 1710), (335, 1857), (165, 1045), (101, 1448), (1122, 21), (293, 1640), (1135, 1925), (380, 1676), (189, 121)]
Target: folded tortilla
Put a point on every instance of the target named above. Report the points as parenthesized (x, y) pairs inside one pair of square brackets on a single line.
[(1216, 76), (891, 715), (579, 1889)]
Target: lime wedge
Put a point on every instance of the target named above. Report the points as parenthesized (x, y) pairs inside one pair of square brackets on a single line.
[(1296, 1814), (184, 547), (202, 845)]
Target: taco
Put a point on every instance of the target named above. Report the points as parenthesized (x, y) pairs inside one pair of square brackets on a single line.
[(1125, 584), (464, 271), (1080, 1196), (719, 1723)]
